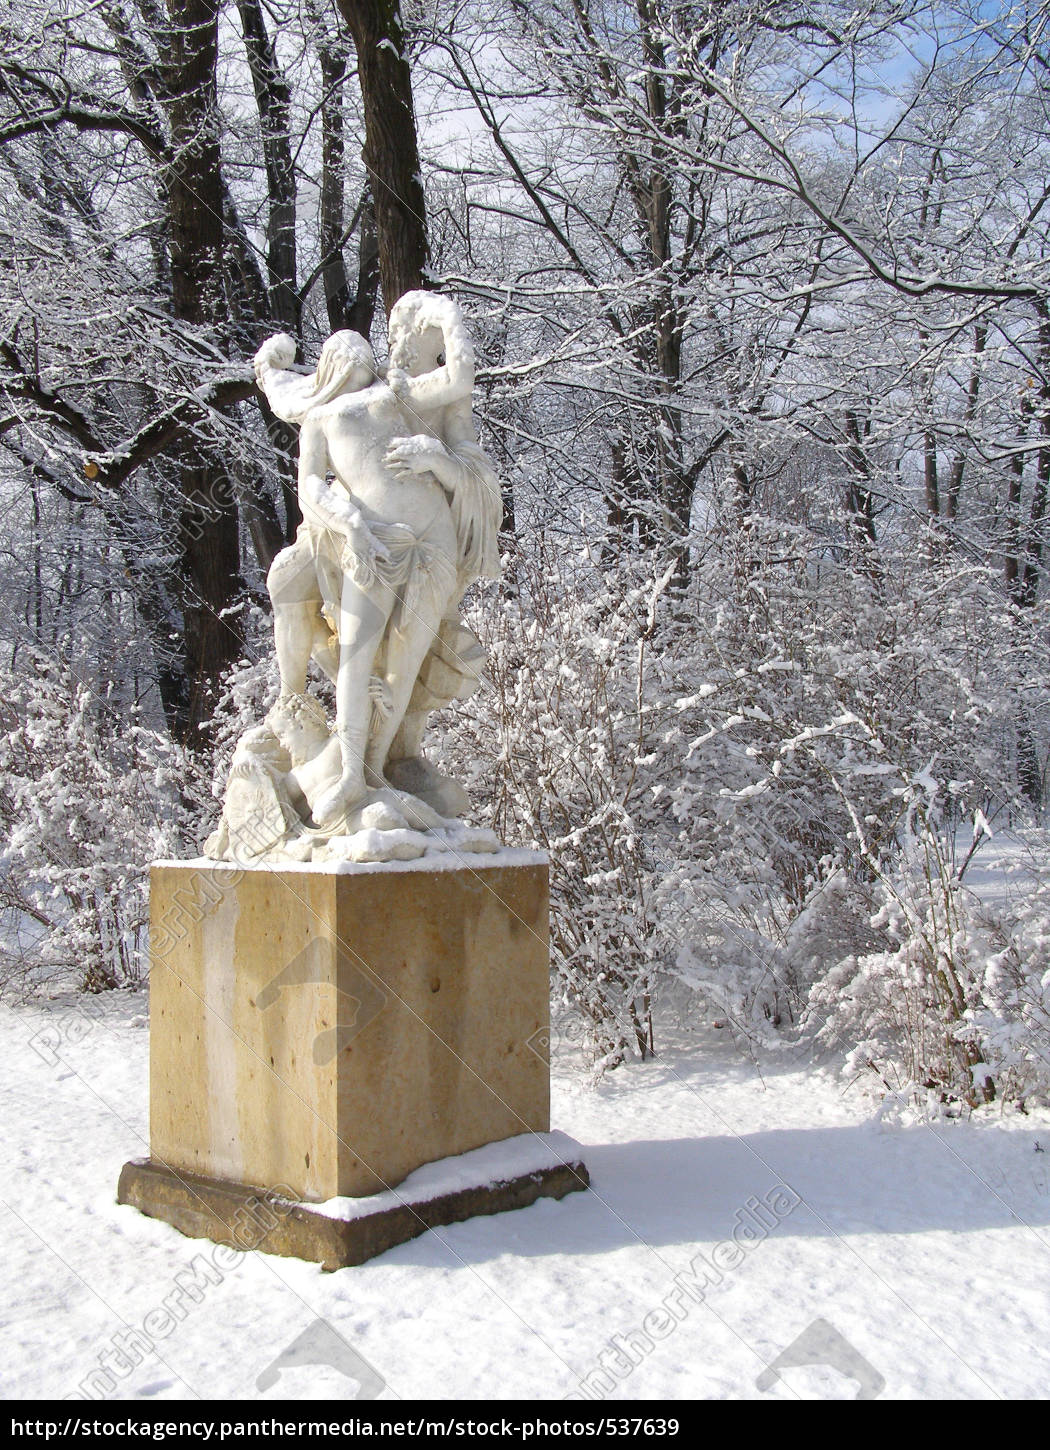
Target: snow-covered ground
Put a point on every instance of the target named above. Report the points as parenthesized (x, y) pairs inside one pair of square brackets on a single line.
[(915, 1261)]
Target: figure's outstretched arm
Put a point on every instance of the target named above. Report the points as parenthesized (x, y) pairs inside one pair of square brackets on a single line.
[(286, 389)]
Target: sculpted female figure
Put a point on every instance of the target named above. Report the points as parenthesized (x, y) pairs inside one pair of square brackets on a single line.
[(400, 513)]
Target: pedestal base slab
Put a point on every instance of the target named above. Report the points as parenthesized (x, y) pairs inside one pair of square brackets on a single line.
[(346, 1231)]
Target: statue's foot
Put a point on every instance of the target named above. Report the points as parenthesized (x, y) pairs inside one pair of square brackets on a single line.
[(348, 792)]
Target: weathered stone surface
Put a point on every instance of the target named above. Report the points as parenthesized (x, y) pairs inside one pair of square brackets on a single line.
[(253, 1218), (331, 1029)]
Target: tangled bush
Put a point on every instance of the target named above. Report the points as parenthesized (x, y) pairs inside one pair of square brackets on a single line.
[(954, 1006), (87, 799), (726, 779), (812, 711)]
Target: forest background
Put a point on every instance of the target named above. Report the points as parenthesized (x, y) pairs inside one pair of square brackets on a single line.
[(761, 298)]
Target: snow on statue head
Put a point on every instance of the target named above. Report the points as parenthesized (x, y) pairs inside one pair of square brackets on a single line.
[(401, 509), (423, 327)]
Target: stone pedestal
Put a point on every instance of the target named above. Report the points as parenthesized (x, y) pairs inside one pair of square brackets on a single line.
[(321, 1032)]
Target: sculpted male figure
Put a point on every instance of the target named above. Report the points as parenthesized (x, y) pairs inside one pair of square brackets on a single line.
[(388, 547)]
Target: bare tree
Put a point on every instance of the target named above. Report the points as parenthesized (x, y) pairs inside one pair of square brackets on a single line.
[(391, 152), (123, 103)]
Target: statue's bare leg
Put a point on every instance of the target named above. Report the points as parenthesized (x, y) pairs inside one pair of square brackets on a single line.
[(294, 630), (297, 619), (326, 648), (405, 652), (362, 619), (405, 768)]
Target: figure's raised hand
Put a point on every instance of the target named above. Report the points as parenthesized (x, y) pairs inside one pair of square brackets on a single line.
[(276, 352), (398, 381)]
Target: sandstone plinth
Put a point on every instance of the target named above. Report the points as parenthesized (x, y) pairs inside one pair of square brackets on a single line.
[(331, 1029)]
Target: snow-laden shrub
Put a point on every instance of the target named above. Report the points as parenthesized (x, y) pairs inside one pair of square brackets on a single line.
[(811, 702), (955, 1005), (1009, 1025), (898, 1012), (721, 777), (552, 750), (248, 691), (89, 795)]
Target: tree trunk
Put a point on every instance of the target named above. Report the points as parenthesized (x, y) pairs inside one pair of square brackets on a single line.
[(209, 541), (194, 184), (346, 308), (333, 192), (212, 589), (391, 153), (363, 308), (929, 460), (955, 480), (273, 99)]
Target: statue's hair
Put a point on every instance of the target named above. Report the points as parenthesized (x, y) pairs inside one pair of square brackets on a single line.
[(301, 709), (343, 352)]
